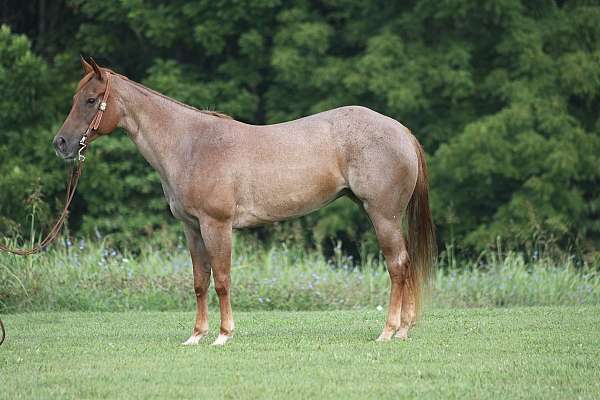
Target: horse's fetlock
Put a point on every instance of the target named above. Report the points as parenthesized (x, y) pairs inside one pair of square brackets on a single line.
[(226, 331)]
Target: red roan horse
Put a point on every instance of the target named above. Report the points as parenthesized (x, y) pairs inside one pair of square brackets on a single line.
[(219, 174)]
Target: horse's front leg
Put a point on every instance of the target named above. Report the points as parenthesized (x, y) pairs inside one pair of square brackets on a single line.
[(217, 239), (201, 267)]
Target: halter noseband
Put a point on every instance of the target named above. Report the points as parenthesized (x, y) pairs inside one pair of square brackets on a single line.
[(93, 126)]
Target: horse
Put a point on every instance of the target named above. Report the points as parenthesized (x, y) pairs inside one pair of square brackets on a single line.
[(219, 174)]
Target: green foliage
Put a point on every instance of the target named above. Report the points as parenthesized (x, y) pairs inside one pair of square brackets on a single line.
[(26, 104), (504, 95), (86, 276), (529, 170)]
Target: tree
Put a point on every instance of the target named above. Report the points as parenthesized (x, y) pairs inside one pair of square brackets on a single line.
[(503, 95)]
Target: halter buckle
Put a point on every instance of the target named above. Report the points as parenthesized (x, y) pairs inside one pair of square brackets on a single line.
[(80, 155), (102, 106)]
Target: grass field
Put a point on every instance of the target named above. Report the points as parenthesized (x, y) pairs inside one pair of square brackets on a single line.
[(535, 352)]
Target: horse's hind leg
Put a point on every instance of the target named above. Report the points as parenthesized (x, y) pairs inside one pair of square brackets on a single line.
[(409, 314), (392, 244)]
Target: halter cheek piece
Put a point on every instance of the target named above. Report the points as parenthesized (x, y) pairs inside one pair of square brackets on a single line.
[(93, 126)]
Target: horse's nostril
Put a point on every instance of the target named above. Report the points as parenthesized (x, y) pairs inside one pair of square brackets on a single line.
[(60, 143)]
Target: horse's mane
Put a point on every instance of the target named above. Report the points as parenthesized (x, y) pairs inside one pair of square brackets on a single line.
[(89, 77)]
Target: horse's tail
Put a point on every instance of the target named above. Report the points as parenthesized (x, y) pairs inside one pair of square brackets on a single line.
[(422, 247)]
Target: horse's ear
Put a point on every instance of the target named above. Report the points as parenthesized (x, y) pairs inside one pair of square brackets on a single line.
[(87, 68), (96, 69)]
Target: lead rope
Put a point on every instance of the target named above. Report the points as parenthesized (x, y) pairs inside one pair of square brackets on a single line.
[(73, 180), (74, 173)]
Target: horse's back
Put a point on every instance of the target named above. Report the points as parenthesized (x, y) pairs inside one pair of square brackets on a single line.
[(347, 131)]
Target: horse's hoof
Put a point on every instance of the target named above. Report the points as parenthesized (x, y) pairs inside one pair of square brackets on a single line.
[(386, 334), (402, 334), (222, 339), (194, 340), (383, 338)]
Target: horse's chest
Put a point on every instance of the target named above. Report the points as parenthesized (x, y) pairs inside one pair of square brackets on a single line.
[(175, 204), (177, 209)]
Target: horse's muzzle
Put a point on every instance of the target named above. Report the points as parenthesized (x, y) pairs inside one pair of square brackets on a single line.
[(63, 149)]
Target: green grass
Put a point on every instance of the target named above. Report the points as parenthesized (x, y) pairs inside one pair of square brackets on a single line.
[(96, 278), (534, 353)]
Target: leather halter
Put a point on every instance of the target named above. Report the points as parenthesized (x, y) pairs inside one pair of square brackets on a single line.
[(93, 126)]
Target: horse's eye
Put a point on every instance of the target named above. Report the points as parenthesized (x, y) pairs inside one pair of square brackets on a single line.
[(91, 100)]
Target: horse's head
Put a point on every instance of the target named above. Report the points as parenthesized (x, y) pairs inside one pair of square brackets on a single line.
[(87, 104)]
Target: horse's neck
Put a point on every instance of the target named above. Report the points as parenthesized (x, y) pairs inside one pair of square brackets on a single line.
[(156, 124)]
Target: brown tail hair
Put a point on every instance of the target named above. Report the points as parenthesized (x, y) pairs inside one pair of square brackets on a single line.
[(422, 247)]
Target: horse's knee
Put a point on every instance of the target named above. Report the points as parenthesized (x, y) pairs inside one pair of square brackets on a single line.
[(201, 283), (222, 284), (200, 290)]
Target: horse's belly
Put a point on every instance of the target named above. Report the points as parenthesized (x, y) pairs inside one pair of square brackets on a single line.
[(282, 196)]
